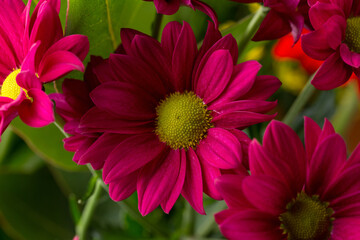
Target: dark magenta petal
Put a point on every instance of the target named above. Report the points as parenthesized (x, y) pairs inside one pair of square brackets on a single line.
[(349, 57)]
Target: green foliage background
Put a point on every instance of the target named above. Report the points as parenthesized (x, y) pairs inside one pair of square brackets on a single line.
[(42, 191)]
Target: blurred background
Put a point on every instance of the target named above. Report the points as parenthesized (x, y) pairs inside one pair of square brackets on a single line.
[(42, 191)]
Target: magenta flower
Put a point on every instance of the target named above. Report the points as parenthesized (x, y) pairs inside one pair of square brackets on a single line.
[(181, 110), (292, 192), (335, 40), (171, 7), (34, 51), (285, 16), (72, 104)]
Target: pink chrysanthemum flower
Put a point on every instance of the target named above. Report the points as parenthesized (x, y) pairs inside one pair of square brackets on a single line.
[(180, 109), (292, 192), (336, 39), (171, 7), (72, 104), (33, 51), (285, 16)]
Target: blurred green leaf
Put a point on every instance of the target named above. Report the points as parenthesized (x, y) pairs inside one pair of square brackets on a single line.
[(33, 207), (47, 143), (101, 21)]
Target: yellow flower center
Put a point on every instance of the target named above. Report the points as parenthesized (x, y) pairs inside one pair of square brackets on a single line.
[(352, 34), (307, 218), (182, 120), (10, 88)]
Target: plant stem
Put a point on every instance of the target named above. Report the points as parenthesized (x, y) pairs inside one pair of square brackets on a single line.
[(346, 110), (299, 102), (252, 28), (88, 211), (123, 205), (156, 25)]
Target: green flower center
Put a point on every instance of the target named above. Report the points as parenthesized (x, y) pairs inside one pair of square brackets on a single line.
[(307, 218), (182, 120), (10, 88), (352, 34)]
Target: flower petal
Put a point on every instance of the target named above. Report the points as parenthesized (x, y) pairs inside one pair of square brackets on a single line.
[(349, 57), (193, 185), (39, 111), (122, 188)]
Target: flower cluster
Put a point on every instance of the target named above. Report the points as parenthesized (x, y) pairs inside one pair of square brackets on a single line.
[(166, 119), (165, 123), (294, 192), (34, 51)]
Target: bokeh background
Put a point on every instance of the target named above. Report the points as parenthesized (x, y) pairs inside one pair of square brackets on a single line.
[(42, 191)]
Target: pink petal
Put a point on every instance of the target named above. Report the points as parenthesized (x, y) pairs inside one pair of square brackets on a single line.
[(242, 80), (207, 10), (267, 194), (193, 185), (57, 64), (349, 57), (183, 58), (251, 224), (257, 106), (39, 111), (76, 44), (215, 75), (276, 136), (122, 188), (124, 100), (321, 12), (326, 163), (166, 7), (332, 74), (209, 174), (262, 162), (264, 87), (354, 157), (127, 36), (211, 37), (156, 180), (129, 69), (230, 188), (97, 120), (102, 147), (346, 228), (220, 149), (312, 132), (240, 119), (272, 27), (170, 37), (46, 27), (132, 154), (174, 194)]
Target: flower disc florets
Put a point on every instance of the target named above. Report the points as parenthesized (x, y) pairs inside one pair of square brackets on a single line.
[(352, 35), (10, 88), (307, 218), (182, 120)]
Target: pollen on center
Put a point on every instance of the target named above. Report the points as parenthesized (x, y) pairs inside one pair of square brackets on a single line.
[(182, 120)]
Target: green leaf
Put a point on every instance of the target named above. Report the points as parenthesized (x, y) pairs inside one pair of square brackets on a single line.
[(101, 21), (47, 143), (32, 207)]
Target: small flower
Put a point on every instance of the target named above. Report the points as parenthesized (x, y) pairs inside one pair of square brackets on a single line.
[(335, 39), (292, 192), (169, 115), (171, 7), (34, 51), (285, 16), (72, 104)]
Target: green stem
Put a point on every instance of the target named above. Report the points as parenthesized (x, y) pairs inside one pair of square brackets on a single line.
[(156, 25), (299, 102), (252, 28), (346, 109), (123, 205), (188, 220), (88, 211)]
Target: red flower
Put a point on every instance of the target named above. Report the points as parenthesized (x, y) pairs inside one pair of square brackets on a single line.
[(292, 192), (34, 51), (335, 40)]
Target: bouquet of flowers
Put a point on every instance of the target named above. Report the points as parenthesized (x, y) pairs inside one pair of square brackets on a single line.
[(180, 119)]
